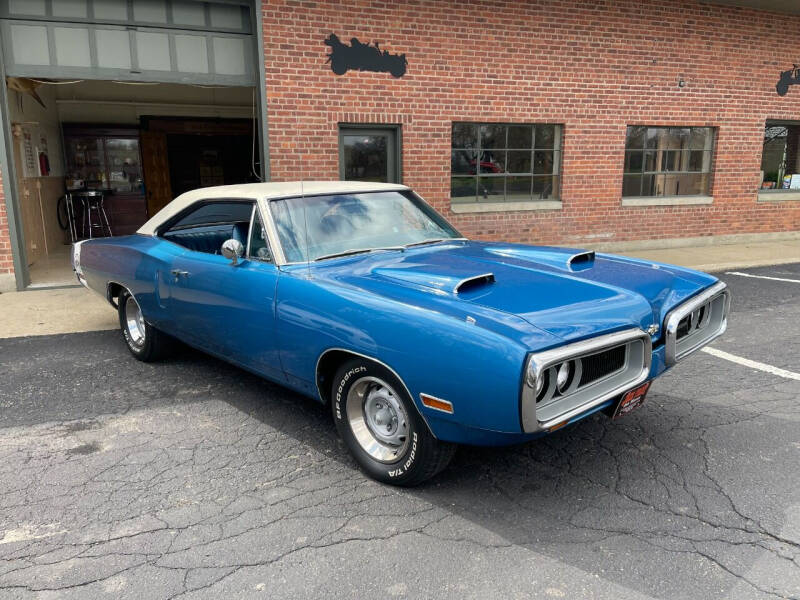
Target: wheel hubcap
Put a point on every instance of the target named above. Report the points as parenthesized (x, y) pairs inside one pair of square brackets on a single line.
[(378, 419), (134, 322)]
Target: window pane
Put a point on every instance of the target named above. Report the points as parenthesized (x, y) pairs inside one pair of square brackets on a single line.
[(700, 138), (462, 162), (465, 135), (679, 137), (545, 136), (462, 189), (688, 185), (635, 137), (493, 136), (519, 161), (653, 135), (653, 185), (634, 161), (217, 212), (696, 160), (632, 185), (543, 162), (366, 157), (520, 136), (545, 188), (490, 189), (650, 158), (259, 246), (518, 189), (493, 161), (670, 160)]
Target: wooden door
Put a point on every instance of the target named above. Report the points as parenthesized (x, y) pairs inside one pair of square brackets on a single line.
[(155, 165)]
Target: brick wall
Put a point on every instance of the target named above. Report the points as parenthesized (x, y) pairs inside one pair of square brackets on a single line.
[(6, 260), (594, 67)]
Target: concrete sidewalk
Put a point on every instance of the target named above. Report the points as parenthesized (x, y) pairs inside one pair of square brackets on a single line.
[(70, 310)]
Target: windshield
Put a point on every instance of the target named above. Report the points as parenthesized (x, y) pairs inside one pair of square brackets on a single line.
[(340, 223)]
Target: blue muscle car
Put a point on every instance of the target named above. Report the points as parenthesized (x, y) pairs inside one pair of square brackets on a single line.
[(363, 297)]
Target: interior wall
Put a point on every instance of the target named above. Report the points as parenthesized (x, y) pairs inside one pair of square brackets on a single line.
[(108, 102), (38, 194)]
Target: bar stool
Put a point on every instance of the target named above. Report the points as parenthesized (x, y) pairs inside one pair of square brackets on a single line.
[(94, 203)]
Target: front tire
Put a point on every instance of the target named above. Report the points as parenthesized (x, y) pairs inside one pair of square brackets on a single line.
[(144, 341), (382, 428)]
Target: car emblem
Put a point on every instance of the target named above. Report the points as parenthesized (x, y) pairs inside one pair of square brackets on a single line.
[(653, 329)]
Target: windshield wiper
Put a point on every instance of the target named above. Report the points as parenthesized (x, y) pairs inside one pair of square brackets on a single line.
[(434, 241), (357, 251)]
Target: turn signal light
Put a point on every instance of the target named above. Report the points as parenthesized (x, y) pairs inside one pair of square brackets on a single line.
[(436, 403)]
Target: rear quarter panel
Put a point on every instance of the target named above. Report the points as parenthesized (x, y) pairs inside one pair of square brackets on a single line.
[(137, 262)]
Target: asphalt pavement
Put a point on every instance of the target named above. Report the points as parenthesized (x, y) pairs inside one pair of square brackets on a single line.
[(191, 478)]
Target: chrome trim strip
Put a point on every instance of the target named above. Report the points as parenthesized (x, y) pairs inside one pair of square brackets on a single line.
[(375, 360), (675, 316), (487, 276), (543, 360), (278, 257), (250, 230)]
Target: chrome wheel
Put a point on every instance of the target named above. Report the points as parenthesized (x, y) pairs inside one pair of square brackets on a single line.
[(377, 418), (134, 322)]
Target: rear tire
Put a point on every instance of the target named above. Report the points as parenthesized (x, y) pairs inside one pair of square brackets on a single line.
[(381, 427), (144, 341)]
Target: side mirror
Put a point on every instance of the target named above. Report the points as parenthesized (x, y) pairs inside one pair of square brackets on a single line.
[(232, 250)]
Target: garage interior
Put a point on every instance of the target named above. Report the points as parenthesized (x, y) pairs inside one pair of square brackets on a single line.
[(139, 144), (115, 107)]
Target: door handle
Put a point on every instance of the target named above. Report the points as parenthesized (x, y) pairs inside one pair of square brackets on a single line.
[(177, 273)]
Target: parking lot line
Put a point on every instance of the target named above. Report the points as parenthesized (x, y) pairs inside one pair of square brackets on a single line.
[(738, 273), (752, 363)]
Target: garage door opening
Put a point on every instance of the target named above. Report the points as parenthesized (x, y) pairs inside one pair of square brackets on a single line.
[(98, 158)]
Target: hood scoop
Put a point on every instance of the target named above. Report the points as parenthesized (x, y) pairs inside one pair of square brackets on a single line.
[(473, 283), (440, 278), (565, 259)]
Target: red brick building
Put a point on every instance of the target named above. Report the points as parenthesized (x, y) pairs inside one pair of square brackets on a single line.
[(603, 124)]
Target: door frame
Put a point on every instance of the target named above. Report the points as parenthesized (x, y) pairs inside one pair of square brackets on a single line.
[(396, 130)]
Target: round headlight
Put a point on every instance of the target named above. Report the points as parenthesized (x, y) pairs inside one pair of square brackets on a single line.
[(563, 377), (539, 384)]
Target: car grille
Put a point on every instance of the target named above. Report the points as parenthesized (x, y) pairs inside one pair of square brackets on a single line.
[(696, 322), (602, 364), (573, 378)]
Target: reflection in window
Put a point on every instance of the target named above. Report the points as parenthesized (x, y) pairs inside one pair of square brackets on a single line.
[(668, 161), (780, 161), (502, 162)]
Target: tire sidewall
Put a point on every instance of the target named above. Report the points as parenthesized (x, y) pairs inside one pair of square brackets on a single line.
[(407, 469), (141, 352)]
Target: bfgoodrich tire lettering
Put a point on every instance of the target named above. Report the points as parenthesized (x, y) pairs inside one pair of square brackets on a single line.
[(381, 426), (144, 341)]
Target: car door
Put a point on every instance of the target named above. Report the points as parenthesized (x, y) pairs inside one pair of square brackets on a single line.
[(221, 307)]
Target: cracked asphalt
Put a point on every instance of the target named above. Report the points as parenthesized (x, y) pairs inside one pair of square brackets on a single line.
[(190, 478)]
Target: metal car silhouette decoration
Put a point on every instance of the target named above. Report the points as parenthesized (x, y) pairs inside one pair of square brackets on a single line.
[(363, 57), (788, 78)]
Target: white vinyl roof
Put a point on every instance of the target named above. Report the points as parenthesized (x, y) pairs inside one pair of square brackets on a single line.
[(261, 191)]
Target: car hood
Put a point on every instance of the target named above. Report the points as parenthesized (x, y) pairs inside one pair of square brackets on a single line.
[(569, 293)]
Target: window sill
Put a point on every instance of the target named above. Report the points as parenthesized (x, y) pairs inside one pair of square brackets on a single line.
[(666, 200), (482, 207), (778, 196)]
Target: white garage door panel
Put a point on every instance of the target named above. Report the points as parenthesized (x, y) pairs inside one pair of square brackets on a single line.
[(72, 46), (137, 40), (113, 49), (192, 53), (29, 44)]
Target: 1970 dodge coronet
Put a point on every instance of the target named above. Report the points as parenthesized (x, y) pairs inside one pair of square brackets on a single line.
[(363, 297)]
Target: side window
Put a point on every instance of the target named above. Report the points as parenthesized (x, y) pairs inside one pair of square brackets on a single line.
[(207, 227), (259, 246)]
